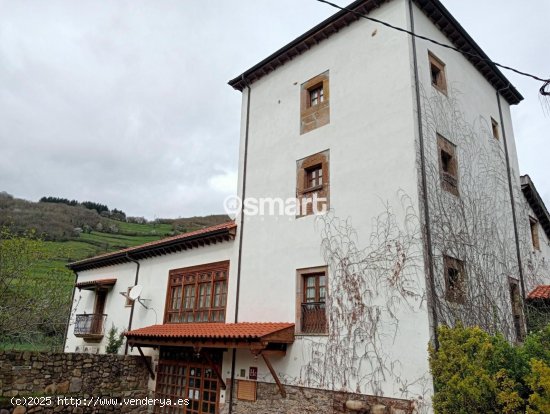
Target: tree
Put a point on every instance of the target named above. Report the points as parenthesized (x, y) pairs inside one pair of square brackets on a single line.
[(34, 302), (114, 340)]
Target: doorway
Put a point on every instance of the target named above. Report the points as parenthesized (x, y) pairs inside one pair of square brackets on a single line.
[(183, 374)]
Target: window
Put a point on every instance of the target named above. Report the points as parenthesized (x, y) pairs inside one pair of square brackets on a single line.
[(455, 280), (312, 184), (311, 300), (314, 103), (314, 176), (448, 164), (197, 294), (494, 127), (316, 95), (437, 73), (517, 311), (534, 224), (129, 301)]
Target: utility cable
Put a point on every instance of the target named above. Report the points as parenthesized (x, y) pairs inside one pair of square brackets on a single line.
[(474, 55)]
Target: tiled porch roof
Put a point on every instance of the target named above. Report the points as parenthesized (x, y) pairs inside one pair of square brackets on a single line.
[(540, 292), (243, 330), (92, 284)]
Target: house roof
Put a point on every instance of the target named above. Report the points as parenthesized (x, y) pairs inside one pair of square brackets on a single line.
[(243, 330), (535, 201), (213, 333), (92, 284), (433, 9), (540, 292), (206, 236)]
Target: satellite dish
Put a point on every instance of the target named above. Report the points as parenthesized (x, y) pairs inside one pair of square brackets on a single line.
[(135, 292)]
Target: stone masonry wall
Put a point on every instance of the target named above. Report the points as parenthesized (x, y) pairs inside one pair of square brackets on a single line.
[(300, 400), (41, 375)]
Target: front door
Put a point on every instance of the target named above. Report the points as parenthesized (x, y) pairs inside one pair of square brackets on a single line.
[(184, 375)]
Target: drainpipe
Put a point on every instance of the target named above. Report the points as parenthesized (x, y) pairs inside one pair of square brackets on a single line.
[(70, 311), (133, 302), (432, 297), (243, 197), (512, 201)]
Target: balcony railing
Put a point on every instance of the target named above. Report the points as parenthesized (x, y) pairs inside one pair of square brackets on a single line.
[(314, 318), (90, 325)]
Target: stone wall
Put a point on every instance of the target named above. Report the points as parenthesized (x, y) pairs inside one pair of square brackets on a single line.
[(41, 375), (300, 400)]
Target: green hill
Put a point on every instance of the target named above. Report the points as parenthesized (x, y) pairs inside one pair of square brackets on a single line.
[(73, 232)]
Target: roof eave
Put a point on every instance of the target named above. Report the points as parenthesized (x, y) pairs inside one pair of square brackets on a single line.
[(171, 246), (343, 18), (299, 45), (535, 201)]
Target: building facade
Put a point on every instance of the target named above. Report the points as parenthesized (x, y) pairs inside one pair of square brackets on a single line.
[(397, 158)]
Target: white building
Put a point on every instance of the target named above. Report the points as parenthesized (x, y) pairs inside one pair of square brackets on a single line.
[(410, 147)]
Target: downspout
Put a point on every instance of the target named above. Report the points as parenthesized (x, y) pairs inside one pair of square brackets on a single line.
[(70, 311), (133, 302), (239, 261), (512, 201), (432, 297)]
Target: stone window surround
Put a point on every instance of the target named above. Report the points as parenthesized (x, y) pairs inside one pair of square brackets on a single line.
[(436, 63), (449, 178), (452, 294), (300, 273), (314, 116), (302, 190)]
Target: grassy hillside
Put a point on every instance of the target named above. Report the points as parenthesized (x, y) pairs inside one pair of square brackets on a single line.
[(72, 233)]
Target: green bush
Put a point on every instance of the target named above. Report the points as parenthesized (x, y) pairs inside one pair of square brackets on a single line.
[(114, 340), (475, 372)]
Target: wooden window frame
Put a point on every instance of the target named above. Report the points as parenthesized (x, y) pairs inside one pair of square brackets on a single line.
[(190, 279), (451, 292), (318, 179), (304, 192), (301, 299), (517, 309), (495, 129), (449, 178), (129, 302), (313, 116), (534, 228), (441, 83)]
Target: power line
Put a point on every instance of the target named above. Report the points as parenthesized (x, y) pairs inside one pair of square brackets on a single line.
[(542, 89)]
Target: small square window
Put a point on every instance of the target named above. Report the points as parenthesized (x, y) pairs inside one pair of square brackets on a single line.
[(314, 177), (129, 301), (448, 164), (316, 95), (494, 127), (517, 309), (314, 103), (534, 224), (437, 73), (455, 280), (312, 184)]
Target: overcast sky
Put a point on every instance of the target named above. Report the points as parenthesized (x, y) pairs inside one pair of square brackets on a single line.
[(126, 102)]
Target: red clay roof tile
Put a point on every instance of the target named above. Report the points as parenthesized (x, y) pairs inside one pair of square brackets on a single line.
[(242, 330), (540, 292)]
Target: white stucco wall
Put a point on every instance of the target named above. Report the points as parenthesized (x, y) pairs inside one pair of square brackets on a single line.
[(372, 161), (153, 276)]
